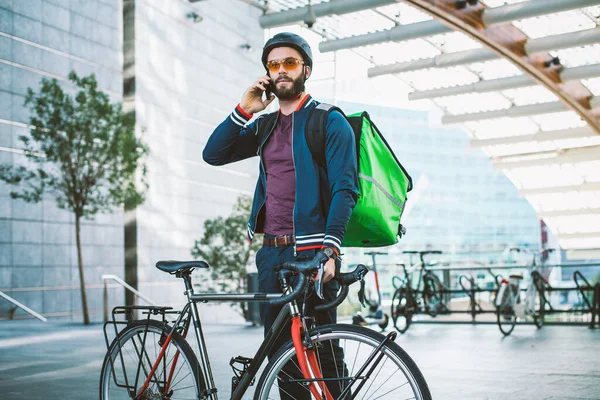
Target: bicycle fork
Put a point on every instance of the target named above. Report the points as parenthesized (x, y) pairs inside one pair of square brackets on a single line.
[(306, 356)]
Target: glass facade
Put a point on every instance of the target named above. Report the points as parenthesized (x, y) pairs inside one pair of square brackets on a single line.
[(458, 203)]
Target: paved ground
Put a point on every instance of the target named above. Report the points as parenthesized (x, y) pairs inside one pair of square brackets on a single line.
[(62, 360)]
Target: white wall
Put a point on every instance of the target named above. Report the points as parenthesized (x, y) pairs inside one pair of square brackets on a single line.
[(189, 77)]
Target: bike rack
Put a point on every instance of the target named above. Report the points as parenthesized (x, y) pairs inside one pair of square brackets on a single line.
[(22, 306), (596, 308), (582, 285), (106, 278), (577, 276), (474, 288)]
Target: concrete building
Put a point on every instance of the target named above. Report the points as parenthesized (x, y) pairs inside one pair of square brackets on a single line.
[(185, 68)]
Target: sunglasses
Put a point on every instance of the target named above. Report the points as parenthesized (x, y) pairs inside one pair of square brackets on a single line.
[(288, 63)]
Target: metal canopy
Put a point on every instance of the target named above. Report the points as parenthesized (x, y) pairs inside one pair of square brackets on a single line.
[(521, 76)]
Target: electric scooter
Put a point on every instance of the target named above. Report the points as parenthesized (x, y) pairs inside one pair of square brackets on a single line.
[(376, 316)]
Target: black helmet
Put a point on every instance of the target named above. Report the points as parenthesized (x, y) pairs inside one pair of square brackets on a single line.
[(287, 39)]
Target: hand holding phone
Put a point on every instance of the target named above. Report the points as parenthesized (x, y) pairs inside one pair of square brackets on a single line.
[(252, 100)]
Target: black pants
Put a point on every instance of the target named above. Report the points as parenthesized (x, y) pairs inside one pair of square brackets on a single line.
[(267, 259)]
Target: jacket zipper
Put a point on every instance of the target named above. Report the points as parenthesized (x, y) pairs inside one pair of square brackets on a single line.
[(262, 165), (295, 190)]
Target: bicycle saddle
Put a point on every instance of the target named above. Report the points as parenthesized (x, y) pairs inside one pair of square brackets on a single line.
[(176, 266)]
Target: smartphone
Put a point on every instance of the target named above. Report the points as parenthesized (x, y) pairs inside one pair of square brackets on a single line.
[(268, 91)]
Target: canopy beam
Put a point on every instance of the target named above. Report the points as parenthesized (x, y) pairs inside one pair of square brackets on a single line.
[(490, 16)]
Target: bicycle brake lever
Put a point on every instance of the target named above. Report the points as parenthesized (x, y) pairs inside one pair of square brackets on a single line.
[(361, 293), (319, 282)]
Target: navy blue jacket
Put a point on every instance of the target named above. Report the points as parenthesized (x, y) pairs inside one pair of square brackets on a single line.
[(321, 211)]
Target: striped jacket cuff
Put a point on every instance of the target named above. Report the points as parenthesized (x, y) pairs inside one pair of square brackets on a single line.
[(332, 241), (239, 116)]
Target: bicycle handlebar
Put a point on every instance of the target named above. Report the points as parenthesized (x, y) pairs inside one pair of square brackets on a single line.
[(345, 280), (309, 267), (305, 269), (293, 295)]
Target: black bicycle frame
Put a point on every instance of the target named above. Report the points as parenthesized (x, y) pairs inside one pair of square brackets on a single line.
[(278, 327)]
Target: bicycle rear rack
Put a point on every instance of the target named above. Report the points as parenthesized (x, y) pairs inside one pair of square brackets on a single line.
[(129, 313), (474, 305)]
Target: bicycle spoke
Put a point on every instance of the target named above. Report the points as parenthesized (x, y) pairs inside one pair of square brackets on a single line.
[(353, 365), (176, 383), (373, 380), (142, 356), (337, 371)]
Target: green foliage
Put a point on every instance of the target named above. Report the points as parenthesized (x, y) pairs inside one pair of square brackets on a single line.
[(82, 149), (226, 249)]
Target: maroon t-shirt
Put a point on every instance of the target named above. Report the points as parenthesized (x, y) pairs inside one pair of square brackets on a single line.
[(281, 179)]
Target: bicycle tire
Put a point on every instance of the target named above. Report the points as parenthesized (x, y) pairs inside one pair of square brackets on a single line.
[(433, 300), (506, 317), (402, 310), (356, 342), (183, 386), (540, 306)]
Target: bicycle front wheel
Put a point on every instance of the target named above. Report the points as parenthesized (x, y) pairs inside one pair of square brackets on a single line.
[(539, 304), (505, 311), (347, 355), (433, 299), (132, 355)]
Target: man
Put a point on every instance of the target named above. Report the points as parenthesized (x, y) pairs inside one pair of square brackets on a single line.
[(299, 212)]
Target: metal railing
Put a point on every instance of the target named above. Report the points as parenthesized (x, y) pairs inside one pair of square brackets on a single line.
[(468, 286), (24, 307), (106, 278)]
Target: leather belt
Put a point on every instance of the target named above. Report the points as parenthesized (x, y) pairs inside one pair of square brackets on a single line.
[(279, 241)]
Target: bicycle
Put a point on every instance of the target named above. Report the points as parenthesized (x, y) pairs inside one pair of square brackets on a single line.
[(408, 300), (510, 305), (151, 359)]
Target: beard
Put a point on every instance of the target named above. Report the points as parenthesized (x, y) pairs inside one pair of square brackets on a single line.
[(287, 93)]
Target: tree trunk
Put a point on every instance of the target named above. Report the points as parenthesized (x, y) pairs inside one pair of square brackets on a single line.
[(84, 307)]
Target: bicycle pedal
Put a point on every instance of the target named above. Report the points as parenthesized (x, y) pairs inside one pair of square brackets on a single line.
[(241, 360), (239, 371)]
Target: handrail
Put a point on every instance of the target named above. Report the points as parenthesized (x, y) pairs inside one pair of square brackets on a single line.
[(120, 281), (24, 307)]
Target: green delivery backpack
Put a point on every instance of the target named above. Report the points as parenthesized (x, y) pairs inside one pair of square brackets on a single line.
[(382, 180)]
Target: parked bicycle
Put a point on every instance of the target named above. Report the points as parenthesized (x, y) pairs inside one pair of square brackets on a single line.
[(151, 359), (511, 305), (427, 296)]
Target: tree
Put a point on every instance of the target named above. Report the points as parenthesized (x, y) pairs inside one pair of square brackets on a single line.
[(225, 248), (82, 150)]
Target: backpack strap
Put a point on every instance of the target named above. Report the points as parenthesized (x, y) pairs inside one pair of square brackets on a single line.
[(265, 125), (316, 127)]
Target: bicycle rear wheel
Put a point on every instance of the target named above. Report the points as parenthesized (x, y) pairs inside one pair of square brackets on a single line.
[(402, 310), (505, 311), (390, 374), (123, 377)]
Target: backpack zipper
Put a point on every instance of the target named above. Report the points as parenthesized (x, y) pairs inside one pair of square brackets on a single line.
[(295, 191)]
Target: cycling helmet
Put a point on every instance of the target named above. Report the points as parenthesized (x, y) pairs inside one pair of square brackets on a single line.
[(287, 39)]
